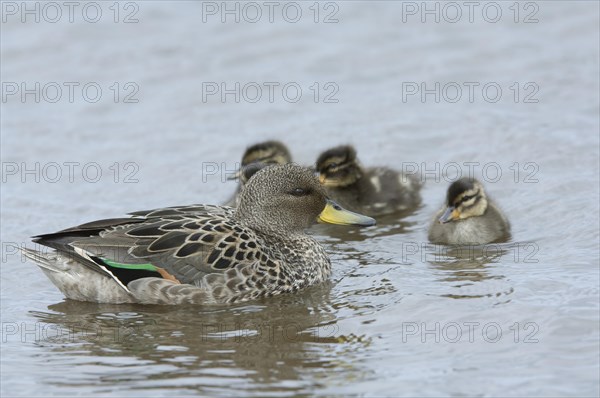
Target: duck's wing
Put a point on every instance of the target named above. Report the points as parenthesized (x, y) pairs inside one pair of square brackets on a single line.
[(182, 243), (199, 209)]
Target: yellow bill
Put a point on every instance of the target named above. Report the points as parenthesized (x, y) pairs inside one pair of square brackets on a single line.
[(336, 214)]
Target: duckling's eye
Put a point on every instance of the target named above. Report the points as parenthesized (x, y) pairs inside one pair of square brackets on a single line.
[(467, 198), (332, 166), (299, 192)]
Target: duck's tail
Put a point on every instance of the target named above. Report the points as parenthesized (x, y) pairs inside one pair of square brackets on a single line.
[(76, 281), (46, 261)]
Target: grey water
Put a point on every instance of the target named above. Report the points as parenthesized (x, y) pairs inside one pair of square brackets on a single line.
[(137, 107)]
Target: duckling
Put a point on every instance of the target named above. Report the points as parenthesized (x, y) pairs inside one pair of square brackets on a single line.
[(249, 170), (468, 217), (374, 191), (267, 153), (201, 254)]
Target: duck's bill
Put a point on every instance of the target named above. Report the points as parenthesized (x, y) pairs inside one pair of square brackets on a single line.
[(450, 214), (234, 176), (336, 214)]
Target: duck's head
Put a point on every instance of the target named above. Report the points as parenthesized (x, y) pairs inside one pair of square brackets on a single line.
[(465, 198), (288, 199), (268, 152), (338, 167)]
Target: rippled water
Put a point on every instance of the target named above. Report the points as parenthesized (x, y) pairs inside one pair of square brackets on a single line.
[(399, 317)]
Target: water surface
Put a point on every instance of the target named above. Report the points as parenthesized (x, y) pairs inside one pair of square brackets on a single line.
[(400, 316)]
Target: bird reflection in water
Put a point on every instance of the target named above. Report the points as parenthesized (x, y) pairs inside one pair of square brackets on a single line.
[(469, 269), (203, 348)]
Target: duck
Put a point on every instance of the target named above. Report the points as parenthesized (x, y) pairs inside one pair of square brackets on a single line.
[(374, 191), (266, 153), (201, 254), (468, 217)]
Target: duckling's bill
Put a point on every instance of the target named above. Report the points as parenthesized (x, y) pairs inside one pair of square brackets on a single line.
[(336, 214), (450, 214), (234, 176)]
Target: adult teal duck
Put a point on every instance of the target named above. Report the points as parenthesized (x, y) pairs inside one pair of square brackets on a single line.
[(201, 254)]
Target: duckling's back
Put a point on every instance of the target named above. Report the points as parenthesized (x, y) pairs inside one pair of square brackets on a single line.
[(385, 191)]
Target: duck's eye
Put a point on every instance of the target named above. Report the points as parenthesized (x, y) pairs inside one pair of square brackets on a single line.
[(467, 198), (299, 192)]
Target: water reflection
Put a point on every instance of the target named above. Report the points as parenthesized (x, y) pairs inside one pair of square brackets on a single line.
[(266, 345), (469, 269)]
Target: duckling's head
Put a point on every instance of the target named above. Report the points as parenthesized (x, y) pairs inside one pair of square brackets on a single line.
[(338, 167), (288, 199), (268, 152), (465, 198), (249, 170)]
